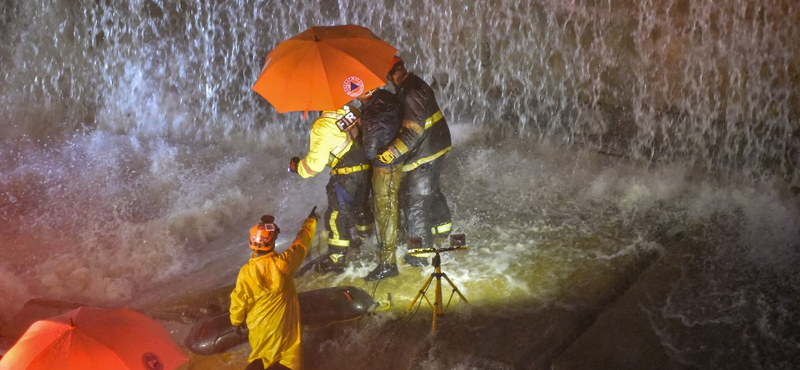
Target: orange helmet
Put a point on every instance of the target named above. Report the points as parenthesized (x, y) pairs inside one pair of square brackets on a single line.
[(396, 64), (263, 235)]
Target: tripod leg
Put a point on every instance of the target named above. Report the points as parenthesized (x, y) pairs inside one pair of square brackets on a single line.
[(454, 288), (438, 309), (420, 293)]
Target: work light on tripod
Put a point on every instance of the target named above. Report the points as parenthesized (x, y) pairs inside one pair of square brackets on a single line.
[(457, 243)]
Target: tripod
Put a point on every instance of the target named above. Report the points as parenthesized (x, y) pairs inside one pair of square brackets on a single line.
[(438, 309)]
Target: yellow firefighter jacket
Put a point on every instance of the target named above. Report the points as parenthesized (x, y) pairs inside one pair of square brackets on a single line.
[(328, 142), (266, 297)]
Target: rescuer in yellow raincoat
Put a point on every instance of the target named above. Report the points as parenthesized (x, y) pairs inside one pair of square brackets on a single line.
[(265, 296), (334, 143)]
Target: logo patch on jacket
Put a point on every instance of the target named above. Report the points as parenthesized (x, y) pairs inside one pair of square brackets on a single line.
[(353, 86), (347, 121)]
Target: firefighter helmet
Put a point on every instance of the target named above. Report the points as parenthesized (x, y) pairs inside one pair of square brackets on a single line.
[(264, 234), (396, 64)]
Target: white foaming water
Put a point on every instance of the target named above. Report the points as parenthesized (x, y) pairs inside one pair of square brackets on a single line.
[(135, 159)]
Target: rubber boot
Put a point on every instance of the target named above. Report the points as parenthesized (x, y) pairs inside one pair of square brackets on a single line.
[(335, 261), (382, 271), (356, 243)]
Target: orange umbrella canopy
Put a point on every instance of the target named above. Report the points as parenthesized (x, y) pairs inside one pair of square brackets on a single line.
[(324, 68), (93, 338)]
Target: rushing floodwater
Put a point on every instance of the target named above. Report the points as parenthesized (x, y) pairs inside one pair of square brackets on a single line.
[(626, 175)]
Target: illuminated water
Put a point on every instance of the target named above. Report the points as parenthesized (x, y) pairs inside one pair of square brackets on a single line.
[(626, 175)]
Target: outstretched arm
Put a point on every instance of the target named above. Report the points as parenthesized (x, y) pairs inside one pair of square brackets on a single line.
[(296, 253)]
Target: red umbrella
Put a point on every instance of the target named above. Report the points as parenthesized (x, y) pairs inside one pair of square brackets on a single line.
[(89, 338), (324, 68)]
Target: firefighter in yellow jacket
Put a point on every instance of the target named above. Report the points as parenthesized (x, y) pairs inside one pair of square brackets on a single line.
[(334, 143), (266, 298)]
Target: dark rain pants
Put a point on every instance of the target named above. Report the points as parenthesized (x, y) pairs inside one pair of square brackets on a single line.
[(385, 191), (348, 206), (425, 210)]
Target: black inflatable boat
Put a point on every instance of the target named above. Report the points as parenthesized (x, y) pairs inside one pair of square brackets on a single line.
[(215, 334)]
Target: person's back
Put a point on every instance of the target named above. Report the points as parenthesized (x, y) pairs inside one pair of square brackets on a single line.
[(331, 144), (420, 106), (380, 122)]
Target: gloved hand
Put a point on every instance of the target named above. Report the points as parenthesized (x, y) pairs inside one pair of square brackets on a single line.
[(293, 164), (314, 213), (239, 332), (387, 156)]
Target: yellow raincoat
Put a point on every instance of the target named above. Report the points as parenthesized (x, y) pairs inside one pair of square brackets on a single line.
[(266, 297)]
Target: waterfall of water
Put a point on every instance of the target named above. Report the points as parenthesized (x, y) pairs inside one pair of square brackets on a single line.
[(709, 83)]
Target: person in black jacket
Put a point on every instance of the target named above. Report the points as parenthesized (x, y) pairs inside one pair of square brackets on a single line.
[(380, 123), (423, 139)]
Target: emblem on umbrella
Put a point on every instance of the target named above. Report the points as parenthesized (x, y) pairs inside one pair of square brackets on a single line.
[(353, 86)]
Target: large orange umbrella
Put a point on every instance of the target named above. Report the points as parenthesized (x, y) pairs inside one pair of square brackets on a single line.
[(324, 68), (94, 339)]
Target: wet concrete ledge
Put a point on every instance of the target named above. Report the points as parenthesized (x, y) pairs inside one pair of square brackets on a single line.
[(634, 333)]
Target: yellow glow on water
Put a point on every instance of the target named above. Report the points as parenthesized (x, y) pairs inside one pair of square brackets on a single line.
[(560, 264)]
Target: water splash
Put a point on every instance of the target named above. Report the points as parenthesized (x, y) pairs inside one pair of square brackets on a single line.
[(707, 83)]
